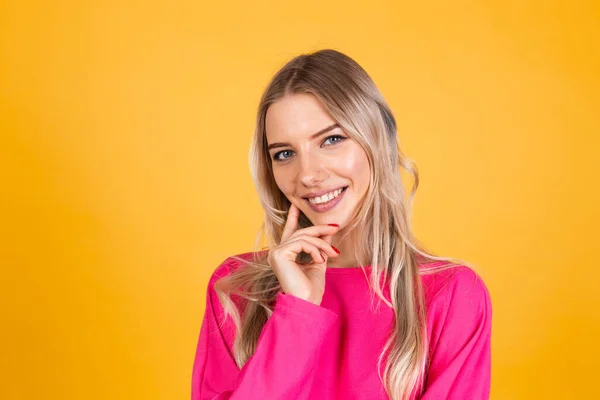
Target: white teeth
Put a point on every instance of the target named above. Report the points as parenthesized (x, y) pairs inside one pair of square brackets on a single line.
[(326, 197)]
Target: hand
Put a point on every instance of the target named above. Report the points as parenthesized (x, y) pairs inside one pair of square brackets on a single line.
[(303, 281)]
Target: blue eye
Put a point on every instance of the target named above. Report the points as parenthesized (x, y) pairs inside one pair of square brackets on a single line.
[(335, 136), (342, 138), (276, 154)]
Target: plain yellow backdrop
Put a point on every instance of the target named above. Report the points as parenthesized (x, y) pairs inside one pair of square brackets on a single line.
[(125, 132)]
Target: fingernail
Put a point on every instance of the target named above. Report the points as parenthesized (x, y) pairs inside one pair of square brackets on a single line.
[(336, 225), (336, 250)]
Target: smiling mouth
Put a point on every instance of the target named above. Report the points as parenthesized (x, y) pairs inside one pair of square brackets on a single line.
[(326, 203)]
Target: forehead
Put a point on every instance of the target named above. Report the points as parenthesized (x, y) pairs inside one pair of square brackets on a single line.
[(297, 115)]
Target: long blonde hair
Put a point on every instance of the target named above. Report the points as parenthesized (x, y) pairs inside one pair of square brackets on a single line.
[(380, 228)]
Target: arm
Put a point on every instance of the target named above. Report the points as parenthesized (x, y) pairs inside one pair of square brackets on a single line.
[(282, 364), (460, 366)]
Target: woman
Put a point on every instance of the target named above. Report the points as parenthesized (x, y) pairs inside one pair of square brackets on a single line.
[(303, 323)]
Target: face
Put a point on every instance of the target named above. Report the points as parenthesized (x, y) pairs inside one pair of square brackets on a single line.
[(312, 156)]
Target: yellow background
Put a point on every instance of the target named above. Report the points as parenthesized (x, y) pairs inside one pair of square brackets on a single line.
[(125, 131)]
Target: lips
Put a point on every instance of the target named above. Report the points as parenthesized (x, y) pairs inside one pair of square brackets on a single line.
[(321, 193), (323, 207)]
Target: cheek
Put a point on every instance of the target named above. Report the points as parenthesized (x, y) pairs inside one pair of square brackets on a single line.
[(282, 181), (365, 170), (355, 166)]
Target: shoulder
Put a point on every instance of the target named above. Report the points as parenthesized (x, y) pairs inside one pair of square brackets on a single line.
[(222, 270), (231, 264), (454, 281), (457, 292)]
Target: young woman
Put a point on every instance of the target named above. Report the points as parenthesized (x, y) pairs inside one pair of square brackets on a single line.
[(304, 323)]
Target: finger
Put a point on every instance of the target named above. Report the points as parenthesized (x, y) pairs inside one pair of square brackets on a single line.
[(316, 231), (327, 239), (291, 224), (321, 244), (313, 250), (293, 248)]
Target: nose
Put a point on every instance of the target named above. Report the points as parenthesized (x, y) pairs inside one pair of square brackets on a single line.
[(312, 170)]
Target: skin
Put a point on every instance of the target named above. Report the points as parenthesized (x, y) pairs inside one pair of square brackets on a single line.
[(314, 164)]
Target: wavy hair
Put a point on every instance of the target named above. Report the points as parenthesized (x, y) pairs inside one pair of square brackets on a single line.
[(381, 226)]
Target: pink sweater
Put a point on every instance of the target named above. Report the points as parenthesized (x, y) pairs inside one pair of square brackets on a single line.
[(327, 352)]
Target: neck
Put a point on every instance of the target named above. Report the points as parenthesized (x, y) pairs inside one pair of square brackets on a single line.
[(346, 257)]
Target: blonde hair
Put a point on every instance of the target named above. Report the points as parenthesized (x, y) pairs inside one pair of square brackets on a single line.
[(380, 228)]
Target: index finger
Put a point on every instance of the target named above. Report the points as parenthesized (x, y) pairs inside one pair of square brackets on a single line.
[(291, 224)]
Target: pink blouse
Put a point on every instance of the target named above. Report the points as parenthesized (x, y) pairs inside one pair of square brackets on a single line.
[(327, 352)]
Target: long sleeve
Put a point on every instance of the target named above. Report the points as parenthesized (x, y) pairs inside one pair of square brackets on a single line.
[(460, 359), (285, 356)]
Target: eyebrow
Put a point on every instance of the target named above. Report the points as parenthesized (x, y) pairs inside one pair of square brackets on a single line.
[(314, 136)]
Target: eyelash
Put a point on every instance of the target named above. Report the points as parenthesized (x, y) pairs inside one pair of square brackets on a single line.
[(327, 138)]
